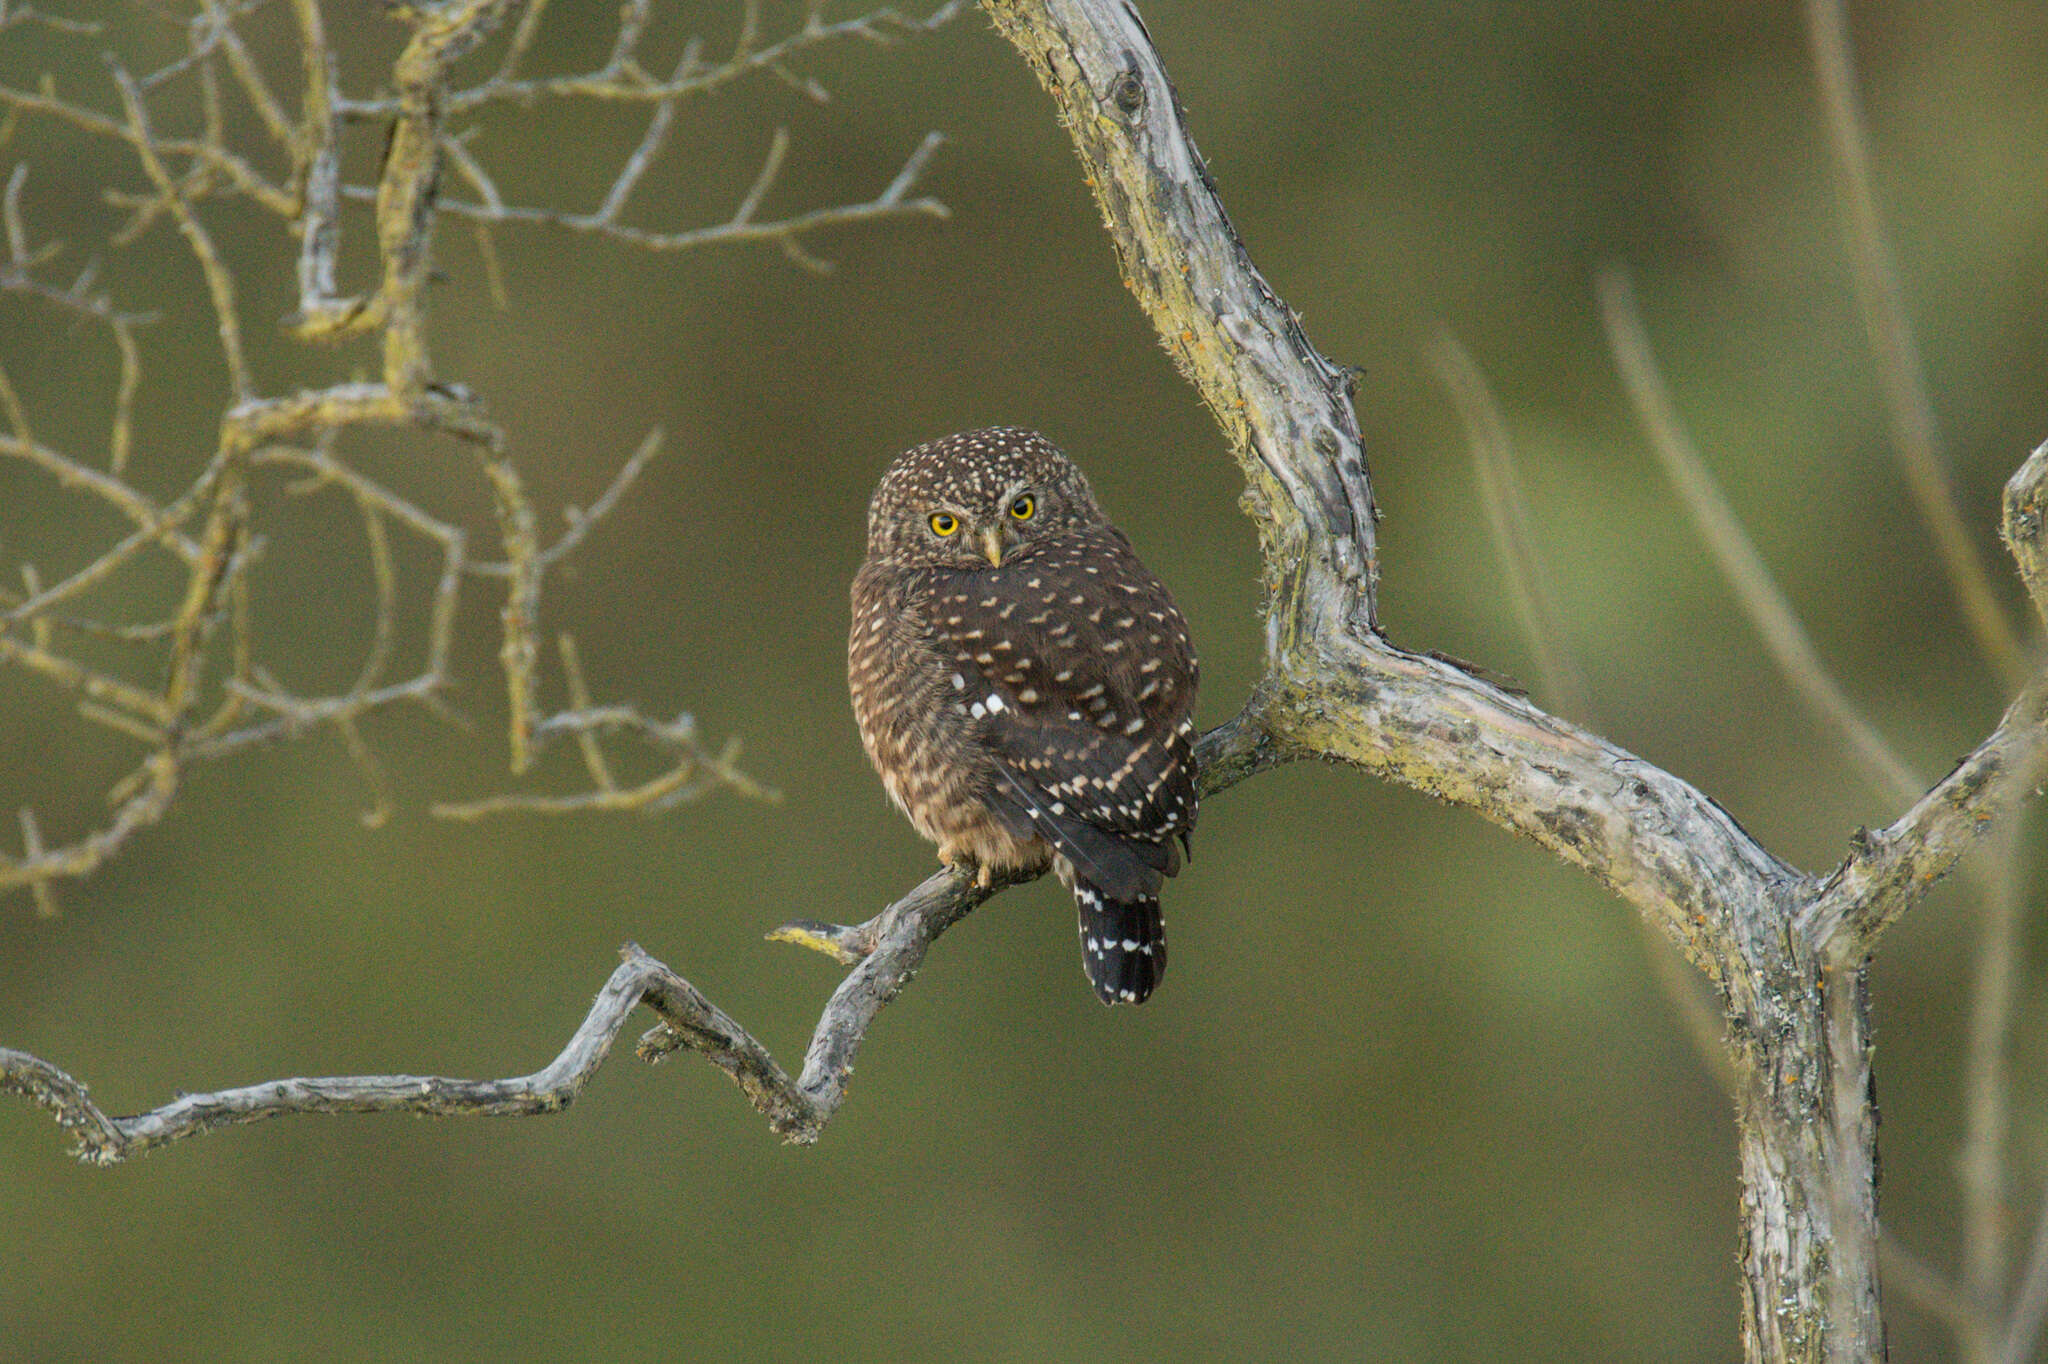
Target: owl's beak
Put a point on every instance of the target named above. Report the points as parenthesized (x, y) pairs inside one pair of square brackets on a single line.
[(992, 545)]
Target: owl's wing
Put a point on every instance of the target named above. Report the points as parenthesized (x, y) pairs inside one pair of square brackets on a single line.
[(1115, 824), (1076, 664)]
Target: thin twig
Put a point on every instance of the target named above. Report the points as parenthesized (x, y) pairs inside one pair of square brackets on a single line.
[(1893, 867), (199, 689), (12, 15), (1563, 681), (579, 699), (32, 849), (893, 201), (220, 284), (694, 772), (621, 79), (1762, 600), (269, 111), (2030, 1302), (1915, 439), (219, 160), (582, 521), (1509, 525)]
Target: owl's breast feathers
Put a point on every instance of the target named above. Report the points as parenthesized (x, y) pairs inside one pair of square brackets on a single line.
[(930, 755)]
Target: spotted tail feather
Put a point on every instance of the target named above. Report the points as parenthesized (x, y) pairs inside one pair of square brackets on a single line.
[(1123, 944)]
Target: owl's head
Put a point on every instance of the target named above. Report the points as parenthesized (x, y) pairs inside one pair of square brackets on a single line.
[(974, 499)]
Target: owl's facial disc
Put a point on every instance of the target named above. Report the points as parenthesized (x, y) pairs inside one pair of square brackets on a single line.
[(1002, 532)]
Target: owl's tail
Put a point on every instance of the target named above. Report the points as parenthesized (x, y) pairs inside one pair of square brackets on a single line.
[(1123, 944)]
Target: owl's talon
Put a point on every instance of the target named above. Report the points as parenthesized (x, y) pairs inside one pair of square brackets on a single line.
[(982, 874)]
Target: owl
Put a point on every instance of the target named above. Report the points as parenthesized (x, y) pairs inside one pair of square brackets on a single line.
[(1023, 685)]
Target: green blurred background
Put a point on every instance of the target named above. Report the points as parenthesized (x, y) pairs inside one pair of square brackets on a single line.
[(1411, 1091)]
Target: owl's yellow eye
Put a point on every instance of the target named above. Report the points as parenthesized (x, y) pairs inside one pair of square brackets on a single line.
[(944, 523), (1024, 507)]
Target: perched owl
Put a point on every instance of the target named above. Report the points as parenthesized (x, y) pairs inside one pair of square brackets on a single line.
[(1023, 685)]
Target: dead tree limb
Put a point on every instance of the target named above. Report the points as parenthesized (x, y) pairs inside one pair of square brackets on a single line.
[(885, 952), (687, 1017)]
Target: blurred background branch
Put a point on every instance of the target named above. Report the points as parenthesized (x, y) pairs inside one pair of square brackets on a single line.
[(202, 681)]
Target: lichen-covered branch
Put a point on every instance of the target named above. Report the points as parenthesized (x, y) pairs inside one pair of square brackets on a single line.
[(1894, 866), (884, 954), (1335, 688), (2025, 526), (1286, 410)]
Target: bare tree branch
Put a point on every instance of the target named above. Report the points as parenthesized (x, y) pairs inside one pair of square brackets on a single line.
[(1980, 1166), (686, 1015), (892, 946), (1762, 600), (12, 15), (622, 78), (198, 685), (1892, 867), (2025, 526), (884, 953), (892, 201), (1916, 439)]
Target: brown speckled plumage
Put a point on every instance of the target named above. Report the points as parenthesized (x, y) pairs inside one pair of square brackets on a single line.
[(1023, 684)]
